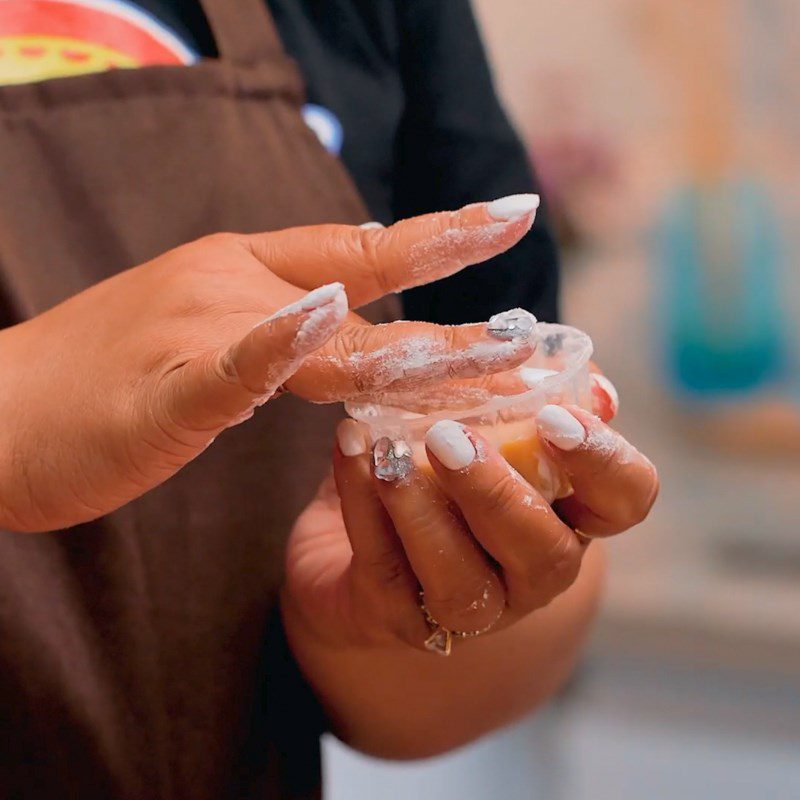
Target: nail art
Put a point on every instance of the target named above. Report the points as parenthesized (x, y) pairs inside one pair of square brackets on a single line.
[(449, 442), (506, 209), (557, 426), (351, 439), (392, 459), (514, 324)]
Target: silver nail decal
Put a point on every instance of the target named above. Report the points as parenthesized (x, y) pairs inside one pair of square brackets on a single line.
[(392, 459), (514, 324)]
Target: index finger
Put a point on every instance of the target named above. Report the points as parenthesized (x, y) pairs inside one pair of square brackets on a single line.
[(366, 361), (372, 262)]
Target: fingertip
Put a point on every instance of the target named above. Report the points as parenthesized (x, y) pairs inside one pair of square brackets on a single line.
[(560, 427), (605, 398), (322, 322), (451, 445), (496, 225), (393, 462), (436, 245), (513, 207), (313, 319), (270, 353), (351, 438)]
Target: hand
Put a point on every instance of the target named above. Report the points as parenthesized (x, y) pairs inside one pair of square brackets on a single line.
[(111, 392), (479, 541)]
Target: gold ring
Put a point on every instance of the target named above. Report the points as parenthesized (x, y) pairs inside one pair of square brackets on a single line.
[(440, 640)]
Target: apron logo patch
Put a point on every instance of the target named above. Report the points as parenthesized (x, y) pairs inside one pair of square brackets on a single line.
[(42, 39), (326, 125)]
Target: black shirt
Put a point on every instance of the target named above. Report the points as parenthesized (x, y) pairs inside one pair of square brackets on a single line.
[(422, 129)]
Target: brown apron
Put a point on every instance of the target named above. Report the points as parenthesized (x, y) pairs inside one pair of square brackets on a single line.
[(140, 655)]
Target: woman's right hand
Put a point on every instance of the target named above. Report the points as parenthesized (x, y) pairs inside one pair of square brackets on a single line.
[(113, 391)]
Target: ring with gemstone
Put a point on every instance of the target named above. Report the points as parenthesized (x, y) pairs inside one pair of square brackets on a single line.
[(440, 640)]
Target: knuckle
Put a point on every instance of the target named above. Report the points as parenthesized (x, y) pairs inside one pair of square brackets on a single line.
[(213, 244), (166, 432), (420, 517), (549, 576), (221, 368), (563, 562), (357, 351), (450, 340), (448, 336), (566, 563), (605, 460), (370, 254), (351, 244), (503, 496), (441, 226), (222, 239), (641, 502), (386, 568)]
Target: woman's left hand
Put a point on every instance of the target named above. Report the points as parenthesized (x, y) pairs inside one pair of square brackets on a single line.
[(479, 542)]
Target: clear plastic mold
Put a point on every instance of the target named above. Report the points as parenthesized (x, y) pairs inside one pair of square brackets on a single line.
[(557, 373)]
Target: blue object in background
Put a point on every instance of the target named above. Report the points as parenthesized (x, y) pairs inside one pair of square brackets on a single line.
[(326, 125), (722, 259)]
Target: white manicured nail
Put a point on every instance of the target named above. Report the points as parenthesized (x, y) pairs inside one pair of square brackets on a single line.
[(449, 442), (533, 376), (513, 207), (321, 312), (351, 439), (368, 226), (557, 426), (331, 292)]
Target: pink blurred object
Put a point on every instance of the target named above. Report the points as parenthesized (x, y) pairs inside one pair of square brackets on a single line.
[(573, 159)]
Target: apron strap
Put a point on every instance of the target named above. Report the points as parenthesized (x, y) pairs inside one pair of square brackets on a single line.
[(244, 30)]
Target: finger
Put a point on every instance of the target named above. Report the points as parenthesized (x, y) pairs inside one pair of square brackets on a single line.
[(369, 527), (469, 393), (457, 395), (461, 588), (385, 589), (374, 261), (605, 398), (615, 485), (472, 392), (369, 360), (539, 554), (222, 388)]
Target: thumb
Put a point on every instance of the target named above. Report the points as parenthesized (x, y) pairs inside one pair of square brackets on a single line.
[(222, 388)]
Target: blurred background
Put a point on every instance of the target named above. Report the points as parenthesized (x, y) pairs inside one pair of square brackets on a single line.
[(667, 135)]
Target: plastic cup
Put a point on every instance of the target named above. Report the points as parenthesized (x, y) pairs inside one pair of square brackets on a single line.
[(508, 421)]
